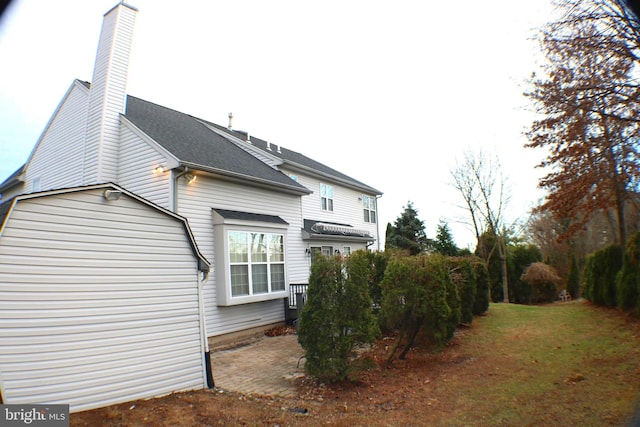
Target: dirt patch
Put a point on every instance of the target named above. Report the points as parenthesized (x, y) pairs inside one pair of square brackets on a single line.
[(281, 330), (482, 377)]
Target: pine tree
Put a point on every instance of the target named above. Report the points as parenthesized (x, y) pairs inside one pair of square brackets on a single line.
[(443, 243), (407, 232)]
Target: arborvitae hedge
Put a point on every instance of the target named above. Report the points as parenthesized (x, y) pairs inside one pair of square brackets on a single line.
[(573, 281), (416, 292), (601, 270), (481, 303), (464, 277), (337, 315), (628, 279)]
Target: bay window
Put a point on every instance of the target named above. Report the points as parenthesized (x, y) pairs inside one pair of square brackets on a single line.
[(256, 263), (249, 257)]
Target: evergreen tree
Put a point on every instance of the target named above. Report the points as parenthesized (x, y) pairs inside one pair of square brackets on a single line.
[(407, 233), (443, 243), (573, 282)]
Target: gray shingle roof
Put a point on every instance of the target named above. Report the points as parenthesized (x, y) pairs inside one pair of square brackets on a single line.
[(294, 158), (187, 138), (191, 142), (248, 216), (12, 179)]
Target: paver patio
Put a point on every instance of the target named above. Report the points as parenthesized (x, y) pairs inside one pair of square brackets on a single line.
[(267, 366)]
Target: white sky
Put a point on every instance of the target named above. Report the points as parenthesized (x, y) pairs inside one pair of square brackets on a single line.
[(390, 93)]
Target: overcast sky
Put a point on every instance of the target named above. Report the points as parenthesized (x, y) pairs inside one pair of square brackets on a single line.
[(390, 93)]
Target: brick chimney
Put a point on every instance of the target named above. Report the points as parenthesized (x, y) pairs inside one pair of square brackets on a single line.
[(107, 96)]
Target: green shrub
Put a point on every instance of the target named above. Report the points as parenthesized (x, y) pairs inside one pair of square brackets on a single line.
[(613, 256), (573, 281), (628, 280), (481, 303), (601, 270), (337, 315), (416, 292), (464, 277), (543, 280), (520, 257), (378, 264)]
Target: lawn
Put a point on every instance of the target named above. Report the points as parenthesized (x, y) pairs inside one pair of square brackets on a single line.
[(559, 364)]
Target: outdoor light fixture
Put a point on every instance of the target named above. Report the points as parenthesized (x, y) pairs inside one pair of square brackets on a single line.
[(160, 169), (190, 178), (112, 194)]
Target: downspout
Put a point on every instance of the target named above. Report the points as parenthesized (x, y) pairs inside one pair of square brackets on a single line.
[(202, 279), (174, 189), (378, 222)]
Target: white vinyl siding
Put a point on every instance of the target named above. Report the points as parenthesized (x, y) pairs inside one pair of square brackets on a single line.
[(196, 200), (137, 169), (98, 302), (347, 206), (57, 158), (108, 95)]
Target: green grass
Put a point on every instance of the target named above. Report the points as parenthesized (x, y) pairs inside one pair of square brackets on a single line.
[(562, 364)]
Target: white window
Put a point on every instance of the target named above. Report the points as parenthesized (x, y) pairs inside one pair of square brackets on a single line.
[(369, 204), (256, 263), (346, 250), (324, 250), (326, 195)]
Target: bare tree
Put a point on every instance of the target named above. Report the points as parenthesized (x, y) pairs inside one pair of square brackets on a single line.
[(480, 182)]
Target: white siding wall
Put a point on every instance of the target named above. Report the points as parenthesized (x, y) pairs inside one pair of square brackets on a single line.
[(137, 164), (195, 202), (98, 303), (347, 209), (57, 159)]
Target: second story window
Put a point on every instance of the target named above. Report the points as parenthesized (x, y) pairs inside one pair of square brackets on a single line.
[(369, 204), (326, 195)]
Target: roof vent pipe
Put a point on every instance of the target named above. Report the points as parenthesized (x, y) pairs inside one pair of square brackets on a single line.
[(230, 121), (268, 146), (248, 138)]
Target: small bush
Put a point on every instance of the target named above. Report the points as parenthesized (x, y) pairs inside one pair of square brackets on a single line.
[(416, 292), (628, 280), (337, 315), (543, 280)]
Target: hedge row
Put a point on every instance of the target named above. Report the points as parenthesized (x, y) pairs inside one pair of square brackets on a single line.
[(424, 296), (612, 276)]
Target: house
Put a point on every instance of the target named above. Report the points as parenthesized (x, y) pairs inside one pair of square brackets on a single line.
[(100, 299), (258, 211)]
